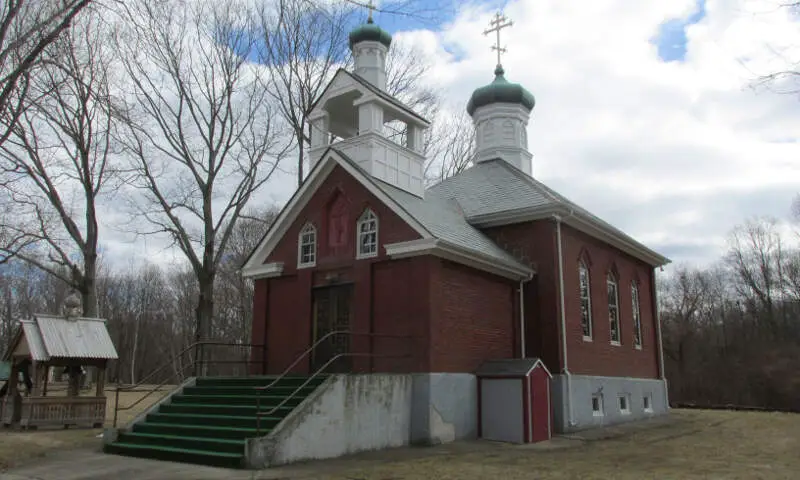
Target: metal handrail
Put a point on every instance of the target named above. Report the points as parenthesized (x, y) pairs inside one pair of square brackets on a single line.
[(126, 388), (305, 354)]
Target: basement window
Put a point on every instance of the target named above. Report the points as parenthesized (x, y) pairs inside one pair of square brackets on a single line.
[(597, 405), (624, 405), (648, 407)]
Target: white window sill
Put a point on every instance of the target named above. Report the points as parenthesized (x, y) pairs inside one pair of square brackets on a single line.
[(638, 347), (597, 414), (625, 412), (648, 410), (366, 255), (587, 339), (616, 344), (306, 265)]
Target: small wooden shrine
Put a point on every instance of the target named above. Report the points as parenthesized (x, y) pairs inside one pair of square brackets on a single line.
[(49, 341)]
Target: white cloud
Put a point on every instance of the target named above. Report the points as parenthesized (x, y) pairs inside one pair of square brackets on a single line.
[(673, 153)]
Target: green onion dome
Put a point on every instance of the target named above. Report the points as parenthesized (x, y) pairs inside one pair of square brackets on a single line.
[(370, 32), (500, 91)]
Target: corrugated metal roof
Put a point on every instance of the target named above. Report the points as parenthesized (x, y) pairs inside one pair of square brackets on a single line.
[(50, 336), (31, 335)]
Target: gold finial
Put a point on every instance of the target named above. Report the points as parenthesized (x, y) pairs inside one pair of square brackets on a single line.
[(498, 22)]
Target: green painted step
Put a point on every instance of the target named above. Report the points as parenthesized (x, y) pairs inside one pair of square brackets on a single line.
[(213, 420), (248, 391), (293, 381), (190, 443), (266, 400), (197, 430), (234, 410), (208, 423), (174, 454)]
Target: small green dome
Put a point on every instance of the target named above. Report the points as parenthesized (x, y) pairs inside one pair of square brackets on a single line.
[(500, 91), (370, 32)]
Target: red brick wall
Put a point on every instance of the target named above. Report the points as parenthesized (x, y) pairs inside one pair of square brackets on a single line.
[(535, 244), (599, 357), (357, 198), (474, 319), (283, 306)]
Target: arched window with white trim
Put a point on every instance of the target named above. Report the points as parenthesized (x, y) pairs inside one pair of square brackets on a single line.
[(367, 231), (307, 246), (613, 308), (586, 300)]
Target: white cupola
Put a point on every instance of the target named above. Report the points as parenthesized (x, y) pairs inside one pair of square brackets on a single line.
[(352, 115)]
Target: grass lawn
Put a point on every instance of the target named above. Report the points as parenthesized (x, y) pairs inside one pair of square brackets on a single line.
[(694, 444), (19, 446)]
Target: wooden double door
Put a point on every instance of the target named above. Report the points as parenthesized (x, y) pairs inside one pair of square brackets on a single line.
[(332, 312)]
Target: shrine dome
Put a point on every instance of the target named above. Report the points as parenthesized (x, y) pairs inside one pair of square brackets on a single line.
[(500, 91)]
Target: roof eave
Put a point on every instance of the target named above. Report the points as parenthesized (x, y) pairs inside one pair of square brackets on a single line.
[(578, 220), (449, 251)]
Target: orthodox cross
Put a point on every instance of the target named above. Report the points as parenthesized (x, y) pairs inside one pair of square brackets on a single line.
[(371, 8), (497, 23)]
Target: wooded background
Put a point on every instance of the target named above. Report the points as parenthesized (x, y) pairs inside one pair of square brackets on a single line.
[(168, 118)]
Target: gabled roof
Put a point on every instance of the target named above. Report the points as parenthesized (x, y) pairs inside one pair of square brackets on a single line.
[(49, 336), (437, 222), (373, 89), (496, 193)]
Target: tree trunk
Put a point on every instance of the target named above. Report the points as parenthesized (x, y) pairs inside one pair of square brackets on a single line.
[(301, 146), (204, 312)]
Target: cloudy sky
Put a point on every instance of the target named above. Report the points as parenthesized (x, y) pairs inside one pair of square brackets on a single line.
[(646, 111)]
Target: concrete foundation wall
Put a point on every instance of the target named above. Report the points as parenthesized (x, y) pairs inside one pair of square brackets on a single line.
[(346, 414), (444, 408), (609, 389)]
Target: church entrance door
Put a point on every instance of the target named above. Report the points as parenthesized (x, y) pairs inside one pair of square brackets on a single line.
[(333, 309)]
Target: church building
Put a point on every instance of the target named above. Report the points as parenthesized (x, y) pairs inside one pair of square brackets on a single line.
[(367, 270)]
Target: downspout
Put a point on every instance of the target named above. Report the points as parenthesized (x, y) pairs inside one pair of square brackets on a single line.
[(557, 218), (522, 282), (657, 318)]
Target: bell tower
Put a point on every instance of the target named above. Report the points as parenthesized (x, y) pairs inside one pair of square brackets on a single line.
[(353, 112)]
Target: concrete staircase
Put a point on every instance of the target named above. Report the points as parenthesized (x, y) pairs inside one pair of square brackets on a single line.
[(208, 423)]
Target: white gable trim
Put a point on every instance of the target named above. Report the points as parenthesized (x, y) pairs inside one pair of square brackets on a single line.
[(448, 251), (267, 270), (296, 204)]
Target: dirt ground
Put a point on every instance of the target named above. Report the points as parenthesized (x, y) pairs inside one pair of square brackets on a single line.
[(688, 444), (21, 446), (691, 444)]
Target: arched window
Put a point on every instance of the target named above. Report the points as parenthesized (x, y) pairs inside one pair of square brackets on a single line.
[(307, 246), (367, 240), (586, 300), (613, 308), (637, 316)]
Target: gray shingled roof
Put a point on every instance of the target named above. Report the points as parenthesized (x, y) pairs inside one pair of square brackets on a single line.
[(444, 220), (495, 186)]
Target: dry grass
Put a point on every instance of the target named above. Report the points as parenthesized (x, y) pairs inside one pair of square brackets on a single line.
[(694, 444), (17, 446)]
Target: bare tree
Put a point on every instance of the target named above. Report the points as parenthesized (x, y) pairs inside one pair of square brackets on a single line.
[(449, 146), (57, 160), (27, 28), (303, 44), (198, 128)]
